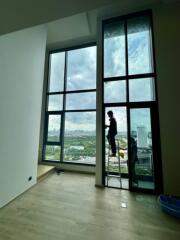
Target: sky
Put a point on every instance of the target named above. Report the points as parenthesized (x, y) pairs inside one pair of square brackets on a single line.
[(81, 74)]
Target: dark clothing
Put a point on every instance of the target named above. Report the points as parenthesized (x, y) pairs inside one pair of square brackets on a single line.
[(112, 142), (112, 127), (111, 134), (134, 159)]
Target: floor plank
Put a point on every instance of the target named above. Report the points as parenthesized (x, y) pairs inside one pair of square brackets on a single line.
[(69, 207)]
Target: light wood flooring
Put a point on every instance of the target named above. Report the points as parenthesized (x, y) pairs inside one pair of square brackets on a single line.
[(68, 206)]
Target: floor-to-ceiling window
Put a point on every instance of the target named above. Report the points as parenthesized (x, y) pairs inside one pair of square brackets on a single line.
[(70, 121), (129, 90)]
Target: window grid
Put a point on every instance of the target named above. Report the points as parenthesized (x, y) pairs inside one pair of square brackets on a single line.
[(151, 104), (128, 76), (63, 111)]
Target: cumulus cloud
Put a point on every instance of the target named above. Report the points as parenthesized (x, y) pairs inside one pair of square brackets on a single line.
[(84, 121), (81, 74), (81, 69)]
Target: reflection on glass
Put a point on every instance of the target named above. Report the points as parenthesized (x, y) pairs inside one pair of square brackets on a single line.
[(141, 90), (114, 50), (80, 137), (55, 102), (120, 114), (77, 101), (139, 45), (81, 69), (52, 153), (54, 128), (57, 62), (114, 91), (141, 149)]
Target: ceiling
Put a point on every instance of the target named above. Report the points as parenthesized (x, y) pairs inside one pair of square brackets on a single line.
[(82, 27), (19, 14)]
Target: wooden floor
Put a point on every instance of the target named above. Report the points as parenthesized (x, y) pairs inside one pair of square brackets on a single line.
[(68, 206)]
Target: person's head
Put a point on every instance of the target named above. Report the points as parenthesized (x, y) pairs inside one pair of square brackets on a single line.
[(110, 114)]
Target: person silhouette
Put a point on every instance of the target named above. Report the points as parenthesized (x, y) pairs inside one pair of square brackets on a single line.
[(112, 132), (134, 159)]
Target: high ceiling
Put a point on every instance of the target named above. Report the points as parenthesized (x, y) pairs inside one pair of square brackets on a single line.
[(19, 14)]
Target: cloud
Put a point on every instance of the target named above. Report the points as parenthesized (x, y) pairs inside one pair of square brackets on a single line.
[(81, 74), (54, 122), (85, 121), (81, 70), (114, 56), (77, 101), (57, 62)]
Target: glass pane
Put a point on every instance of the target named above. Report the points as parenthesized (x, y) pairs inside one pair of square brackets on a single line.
[(55, 102), (121, 146), (81, 101), (57, 62), (115, 91), (114, 50), (54, 124), (80, 137), (52, 153), (139, 45), (141, 149), (81, 69), (141, 90)]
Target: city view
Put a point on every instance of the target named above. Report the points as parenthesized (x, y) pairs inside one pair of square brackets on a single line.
[(80, 147)]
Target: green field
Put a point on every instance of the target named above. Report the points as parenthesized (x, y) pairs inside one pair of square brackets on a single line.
[(86, 145), (82, 148)]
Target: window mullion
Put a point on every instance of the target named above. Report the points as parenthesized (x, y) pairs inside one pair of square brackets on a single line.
[(126, 56), (63, 112)]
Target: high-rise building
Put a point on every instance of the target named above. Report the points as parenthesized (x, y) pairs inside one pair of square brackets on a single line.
[(142, 137)]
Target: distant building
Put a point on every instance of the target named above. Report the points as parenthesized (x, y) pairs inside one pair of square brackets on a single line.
[(142, 137), (77, 147)]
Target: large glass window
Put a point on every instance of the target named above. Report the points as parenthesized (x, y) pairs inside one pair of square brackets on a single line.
[(70, 127), (129, 92)]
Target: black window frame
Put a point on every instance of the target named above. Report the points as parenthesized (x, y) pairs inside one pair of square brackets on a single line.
[(63, 111), (153, 105)]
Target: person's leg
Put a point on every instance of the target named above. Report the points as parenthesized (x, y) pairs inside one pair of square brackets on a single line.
[(113, 145)]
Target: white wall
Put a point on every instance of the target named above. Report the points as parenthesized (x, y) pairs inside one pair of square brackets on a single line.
[(167, 46), (21, 79)]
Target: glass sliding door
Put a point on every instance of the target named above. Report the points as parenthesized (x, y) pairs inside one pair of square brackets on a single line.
[(141, 149), (121, 142)]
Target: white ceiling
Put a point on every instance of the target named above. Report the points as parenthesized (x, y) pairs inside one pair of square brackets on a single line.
[(68, 28), (83, 25), (19, 14)]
